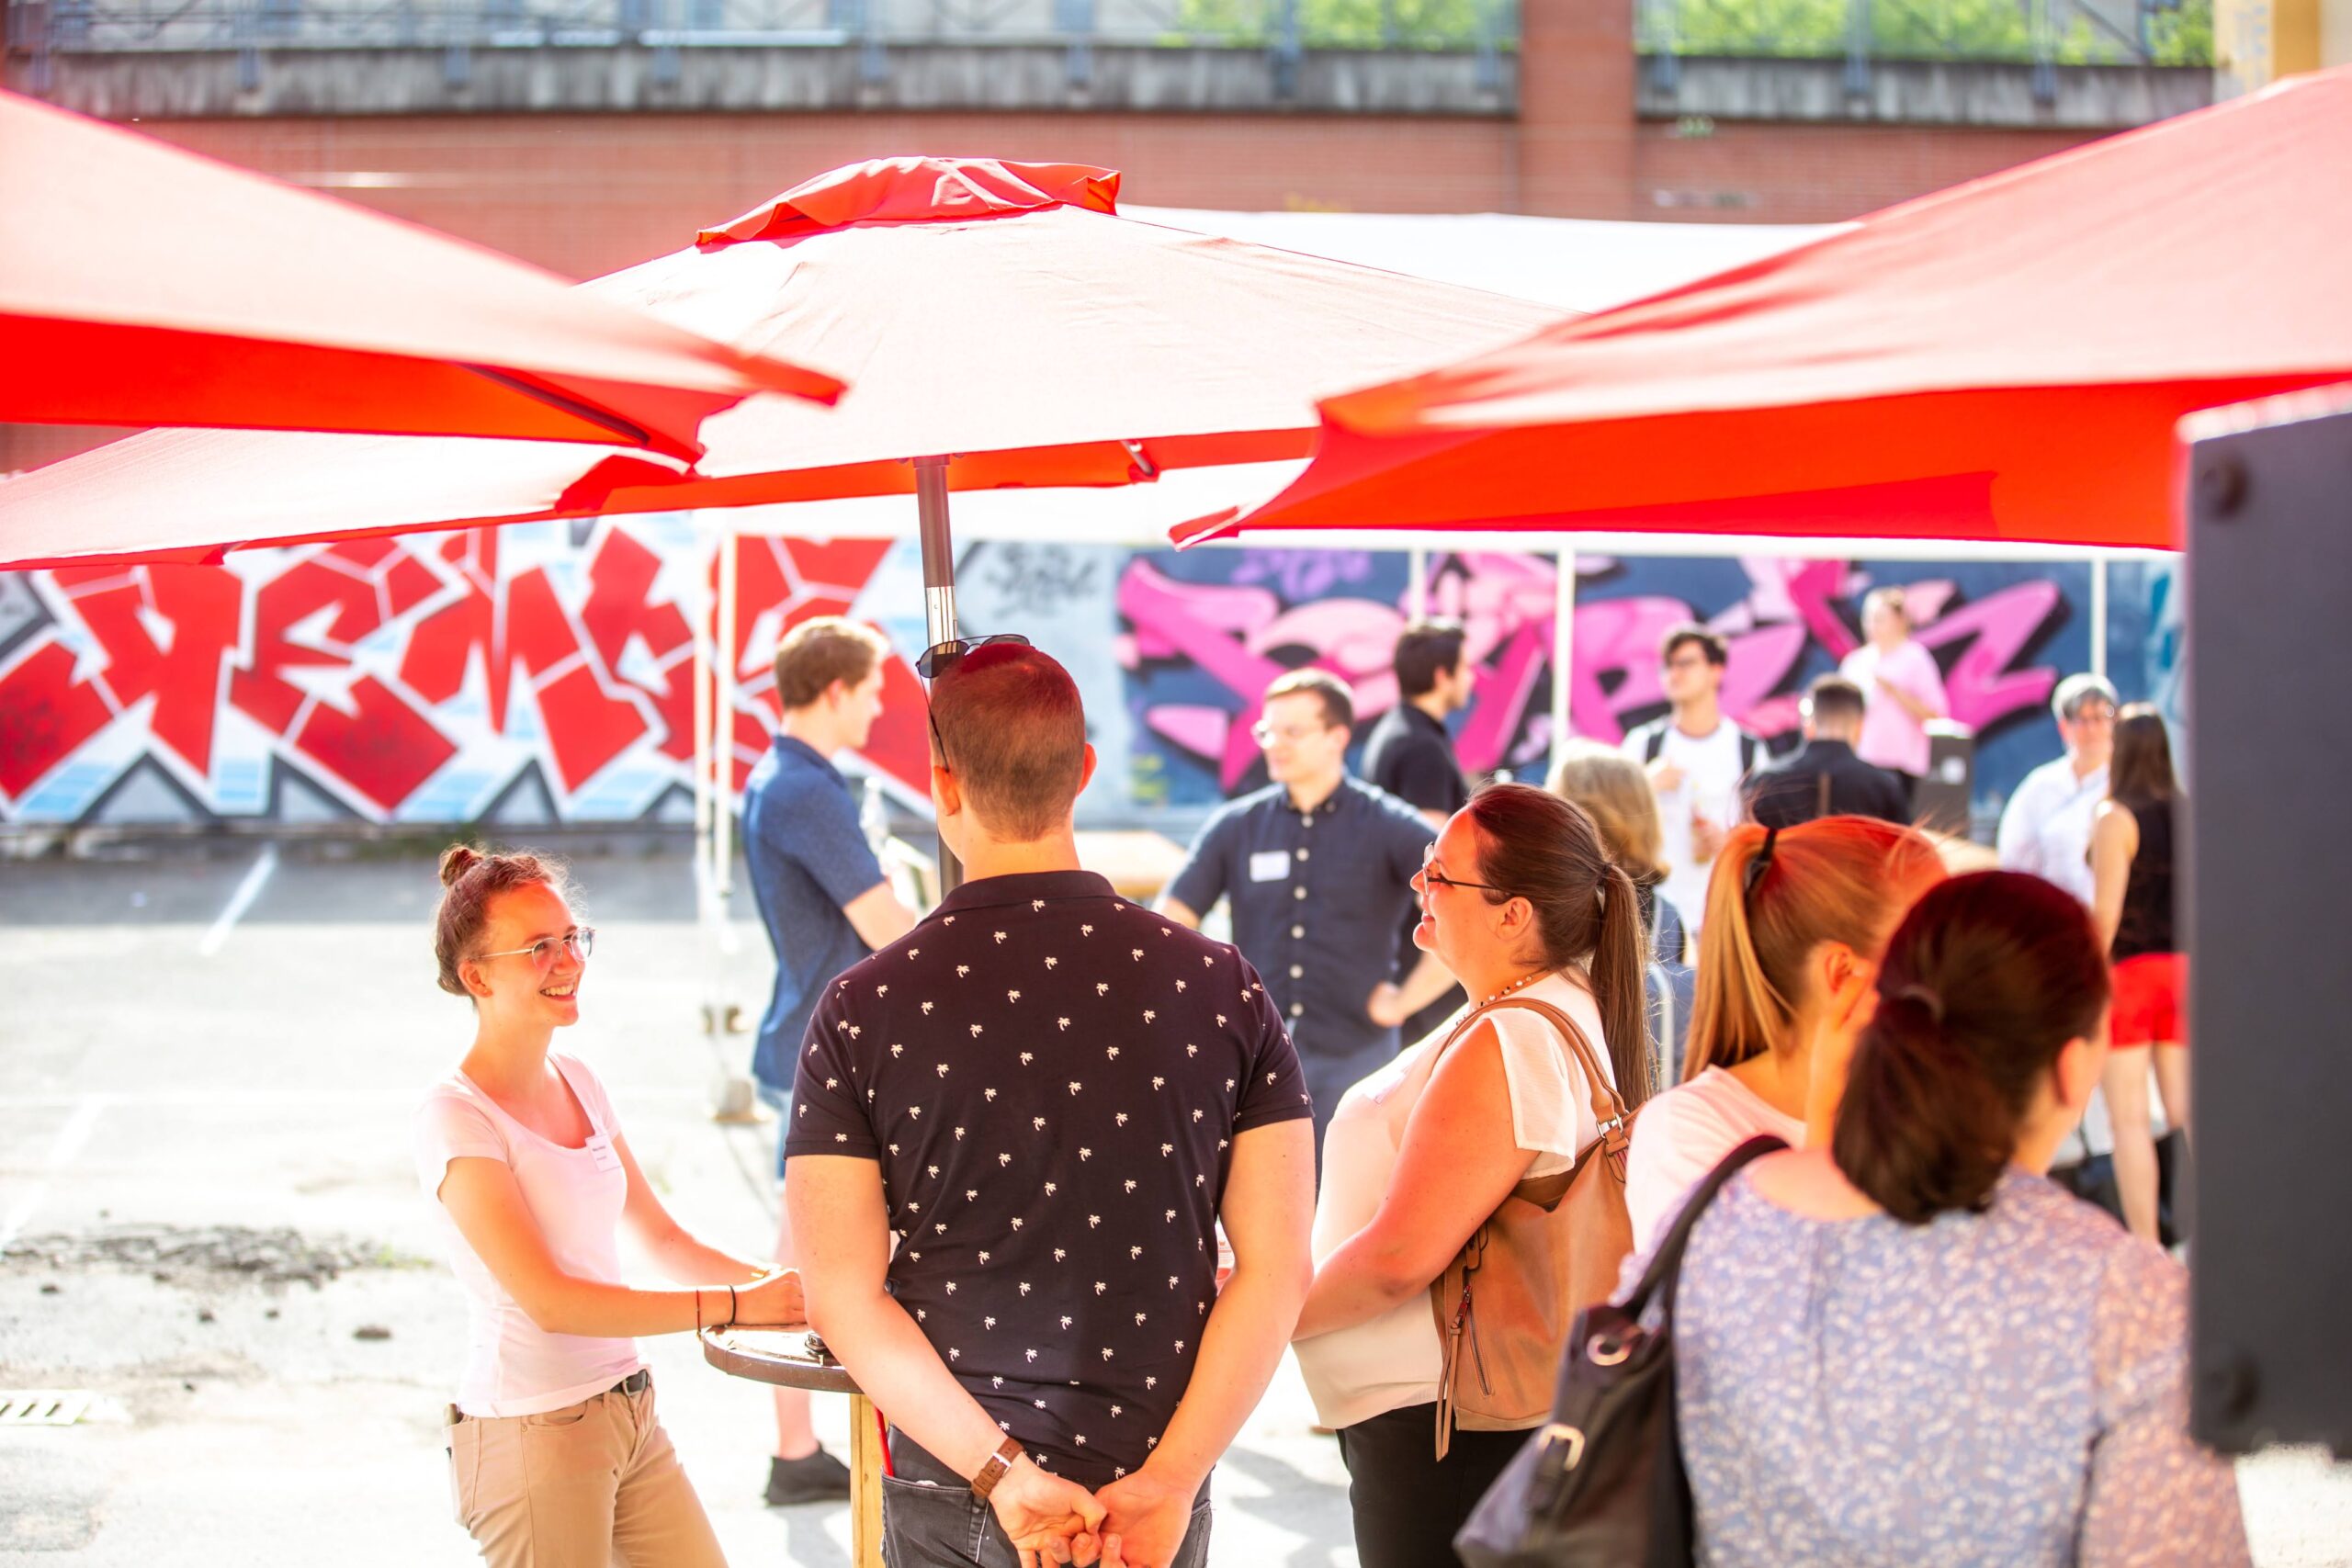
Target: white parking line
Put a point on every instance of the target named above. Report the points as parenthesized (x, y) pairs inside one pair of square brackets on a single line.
[(68, 1143), (240, 901)]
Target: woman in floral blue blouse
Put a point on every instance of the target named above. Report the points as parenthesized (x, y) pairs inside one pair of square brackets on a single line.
[(1909, 1346)]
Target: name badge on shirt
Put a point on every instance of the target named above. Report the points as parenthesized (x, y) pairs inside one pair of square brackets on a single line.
[(600, 1149), (1269, 865)]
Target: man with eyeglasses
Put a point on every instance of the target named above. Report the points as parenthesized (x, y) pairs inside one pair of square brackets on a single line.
[(2046, 826), (1696, 758), (1318, 868), (826, 904)]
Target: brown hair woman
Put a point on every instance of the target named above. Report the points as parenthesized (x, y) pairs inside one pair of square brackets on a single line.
[(2131, 901), (1909, 1346), (1518, 897), (556, 1452)]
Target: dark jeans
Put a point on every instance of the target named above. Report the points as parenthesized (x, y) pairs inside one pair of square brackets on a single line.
[(1408, 1503), (930, 1520)]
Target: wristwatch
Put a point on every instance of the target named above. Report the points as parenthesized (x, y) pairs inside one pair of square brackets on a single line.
[(993, 1468)]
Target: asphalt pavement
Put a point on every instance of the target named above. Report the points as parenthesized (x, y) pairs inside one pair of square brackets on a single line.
[(211, 1224)]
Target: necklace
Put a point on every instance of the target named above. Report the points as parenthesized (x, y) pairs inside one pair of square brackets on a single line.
[(1518, 984)]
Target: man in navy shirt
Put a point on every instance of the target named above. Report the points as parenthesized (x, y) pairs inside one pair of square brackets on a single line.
[(1409, 753), (826, 904), (1823, 777), (1014, 1132), (1319, 869)]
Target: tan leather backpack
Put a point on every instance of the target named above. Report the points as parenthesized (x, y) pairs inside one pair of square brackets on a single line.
[(1554, 1247)]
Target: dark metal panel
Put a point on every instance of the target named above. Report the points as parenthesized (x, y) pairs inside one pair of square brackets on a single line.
[(2269, 883)]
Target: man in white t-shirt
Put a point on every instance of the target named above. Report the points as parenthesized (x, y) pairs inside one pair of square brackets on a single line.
[(1695, 758), (2046, 826)]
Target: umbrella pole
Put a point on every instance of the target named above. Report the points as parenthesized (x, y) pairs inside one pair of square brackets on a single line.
[(702, 674), (938, 595), (1564, 650), (2099, 616), (722, 784)]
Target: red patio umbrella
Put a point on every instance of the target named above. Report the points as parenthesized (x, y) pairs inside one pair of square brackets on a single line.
[(143, 285), (2002, 361), (998, 318)]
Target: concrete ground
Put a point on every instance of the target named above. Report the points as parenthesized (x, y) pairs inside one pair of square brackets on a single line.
[(206, 1195)]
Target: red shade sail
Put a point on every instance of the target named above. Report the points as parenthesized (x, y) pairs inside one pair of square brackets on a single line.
[(143, 284), (1000, 314), (2002, 361)]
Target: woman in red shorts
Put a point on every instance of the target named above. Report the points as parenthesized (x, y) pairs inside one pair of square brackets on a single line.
[(2131, 873)]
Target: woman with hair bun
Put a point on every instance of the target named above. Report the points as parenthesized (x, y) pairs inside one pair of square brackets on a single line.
[(556, 1452), (1910, 1345), (1793, 915)]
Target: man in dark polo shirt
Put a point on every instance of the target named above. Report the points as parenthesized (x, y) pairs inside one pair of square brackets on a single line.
[(1410, 755), (1823, 777), (1319, 869), (1047, 1098), (826, 904)]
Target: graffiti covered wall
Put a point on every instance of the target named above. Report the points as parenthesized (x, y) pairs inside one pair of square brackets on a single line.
[(540, 673)]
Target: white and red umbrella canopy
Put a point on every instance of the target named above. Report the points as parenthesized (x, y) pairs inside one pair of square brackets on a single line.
[(1002, 316), (141, 285)]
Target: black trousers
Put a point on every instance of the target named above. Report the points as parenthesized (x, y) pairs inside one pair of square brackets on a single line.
[(1409, 1503)]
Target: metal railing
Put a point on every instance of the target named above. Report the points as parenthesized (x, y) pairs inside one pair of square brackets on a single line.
[(2044, 33), (116, 26)]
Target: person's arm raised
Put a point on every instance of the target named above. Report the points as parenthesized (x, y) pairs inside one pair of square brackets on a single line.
[(1268, 1212), (1456, 1164), (877, 915), (490, 1213), (842, 1223)]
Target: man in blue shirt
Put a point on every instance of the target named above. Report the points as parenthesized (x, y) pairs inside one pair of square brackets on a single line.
[(1318, 868), (826, 904)]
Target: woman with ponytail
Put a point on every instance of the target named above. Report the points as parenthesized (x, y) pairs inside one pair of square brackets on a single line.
[(1521, 900), (1792, 914), (1910, 1345), (556, 1454)]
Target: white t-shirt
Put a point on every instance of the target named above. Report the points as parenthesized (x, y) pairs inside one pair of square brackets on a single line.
[(2046, 826), (1710, 788), (1394, 1360), (1682, 1134), (513, 1366)]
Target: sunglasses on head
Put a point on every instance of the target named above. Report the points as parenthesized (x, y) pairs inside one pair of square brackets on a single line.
[(939, 656)]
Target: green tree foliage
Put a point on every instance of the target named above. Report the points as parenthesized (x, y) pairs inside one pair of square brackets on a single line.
[(2181, 34), (1351, 24)]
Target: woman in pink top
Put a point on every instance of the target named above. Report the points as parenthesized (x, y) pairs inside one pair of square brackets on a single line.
[(1900, 683)]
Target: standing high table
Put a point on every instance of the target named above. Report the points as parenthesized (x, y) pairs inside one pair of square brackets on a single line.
[(791, 1357)]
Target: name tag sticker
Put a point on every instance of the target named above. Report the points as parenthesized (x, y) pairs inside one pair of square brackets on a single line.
[(1269, 865), (600, 1149)]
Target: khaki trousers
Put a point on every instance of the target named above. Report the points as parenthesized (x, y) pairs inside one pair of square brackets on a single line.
[(590, 1485)]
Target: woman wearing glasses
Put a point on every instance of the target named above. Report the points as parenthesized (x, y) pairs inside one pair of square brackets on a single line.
[(1521, 900), (555, 1453), (1793, 915)]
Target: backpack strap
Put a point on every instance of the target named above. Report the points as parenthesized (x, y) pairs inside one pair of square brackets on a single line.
[(1653, 736), (1665, 1271)]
